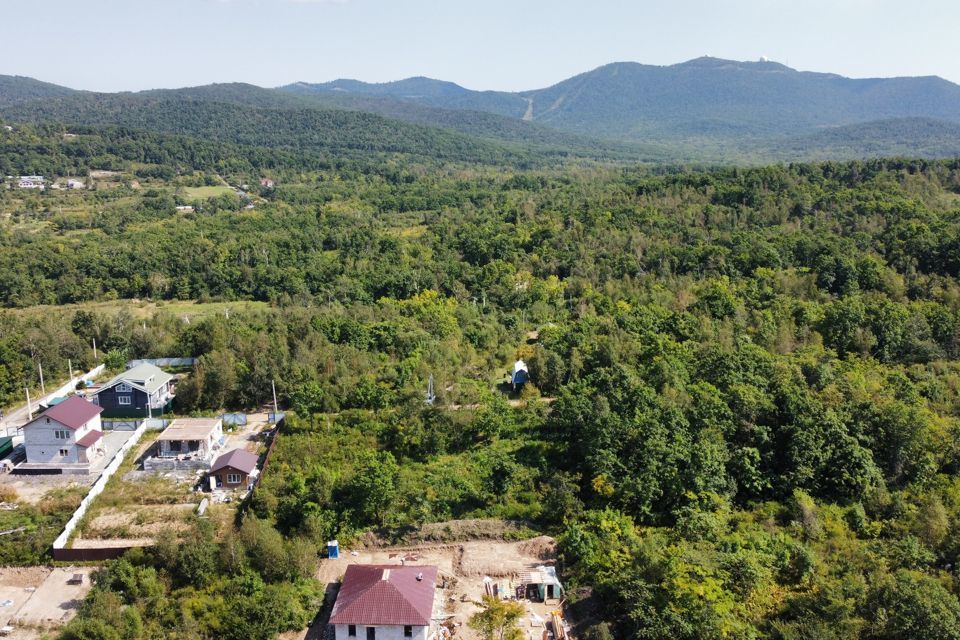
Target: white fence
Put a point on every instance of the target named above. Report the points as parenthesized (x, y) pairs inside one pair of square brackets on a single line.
[(101, 483), (164, 362), (70, 386)]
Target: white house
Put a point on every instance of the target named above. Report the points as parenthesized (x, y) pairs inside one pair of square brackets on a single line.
[(66, 433), (31, 182), (385, 602)]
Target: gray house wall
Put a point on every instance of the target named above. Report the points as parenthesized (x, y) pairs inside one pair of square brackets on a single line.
[(43, 446)]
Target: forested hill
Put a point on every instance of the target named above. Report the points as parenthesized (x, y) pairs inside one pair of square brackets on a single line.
[(694, 97), (488, 125), (15, 89), (427, 91), (249, 115), (900, 136), (729, 97), (704, 110), (707, 107), (299, 129)]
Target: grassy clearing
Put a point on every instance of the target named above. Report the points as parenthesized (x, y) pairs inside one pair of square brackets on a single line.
[(409, 232), (41, 524), (202, 193), (143, 309)]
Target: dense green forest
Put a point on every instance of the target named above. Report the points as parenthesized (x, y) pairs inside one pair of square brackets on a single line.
[(742, 420)]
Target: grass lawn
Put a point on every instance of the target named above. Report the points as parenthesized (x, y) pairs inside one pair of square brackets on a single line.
[(202, 193)]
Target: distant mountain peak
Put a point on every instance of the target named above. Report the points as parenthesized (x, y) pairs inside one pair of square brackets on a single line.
[(709, 62)]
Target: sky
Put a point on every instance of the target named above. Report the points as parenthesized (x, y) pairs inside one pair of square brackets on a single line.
[(512, 45)]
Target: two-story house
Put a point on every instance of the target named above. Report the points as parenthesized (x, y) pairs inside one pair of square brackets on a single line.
[(68, 433), (384, 602), (138, 392)]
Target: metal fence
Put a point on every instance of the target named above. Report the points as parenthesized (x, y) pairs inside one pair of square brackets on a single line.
[(239, 419), (120, 425)]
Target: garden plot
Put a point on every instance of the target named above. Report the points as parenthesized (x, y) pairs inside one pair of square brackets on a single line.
[(135, 507)]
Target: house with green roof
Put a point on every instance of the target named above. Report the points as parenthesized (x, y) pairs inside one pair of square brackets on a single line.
[(143, 391)]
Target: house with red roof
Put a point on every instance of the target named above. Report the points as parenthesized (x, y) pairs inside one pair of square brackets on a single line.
[(385, 602), (68, 433)]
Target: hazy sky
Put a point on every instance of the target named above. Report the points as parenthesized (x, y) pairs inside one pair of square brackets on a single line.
[(112, 45)]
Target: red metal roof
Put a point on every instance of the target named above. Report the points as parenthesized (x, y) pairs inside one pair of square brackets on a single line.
[(236, 459), (385, 594), (74, 412), (90, 438)]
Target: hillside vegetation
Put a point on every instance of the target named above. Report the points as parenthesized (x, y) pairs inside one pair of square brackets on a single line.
[(753, 373)]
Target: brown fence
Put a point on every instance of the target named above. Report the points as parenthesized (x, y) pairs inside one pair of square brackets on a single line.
[(273, 443), (89, 555)]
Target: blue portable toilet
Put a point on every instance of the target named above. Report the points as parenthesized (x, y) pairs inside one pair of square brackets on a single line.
[(333, 549)]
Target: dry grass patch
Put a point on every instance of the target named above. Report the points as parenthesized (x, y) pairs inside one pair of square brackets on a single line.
[(8, 494)]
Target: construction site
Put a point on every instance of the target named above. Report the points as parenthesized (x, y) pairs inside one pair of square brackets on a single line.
[(35, 601), (521, 571)]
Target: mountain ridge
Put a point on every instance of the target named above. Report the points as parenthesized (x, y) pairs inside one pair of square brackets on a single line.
[(729, 99), (705, 108)]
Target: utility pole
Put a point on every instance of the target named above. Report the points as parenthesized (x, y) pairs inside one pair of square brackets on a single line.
[(43, 388), (431, 396), (29, 408), (94, 349), (70, 366), (276, 410)]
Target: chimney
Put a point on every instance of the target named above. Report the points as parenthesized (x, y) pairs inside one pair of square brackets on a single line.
[(386, 574), (420, 577)]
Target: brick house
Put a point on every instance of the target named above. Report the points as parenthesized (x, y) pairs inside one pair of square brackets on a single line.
[(68, 433), (385, 602)]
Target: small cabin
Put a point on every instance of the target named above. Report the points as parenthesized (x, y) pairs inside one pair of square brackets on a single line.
[(234, 469)]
